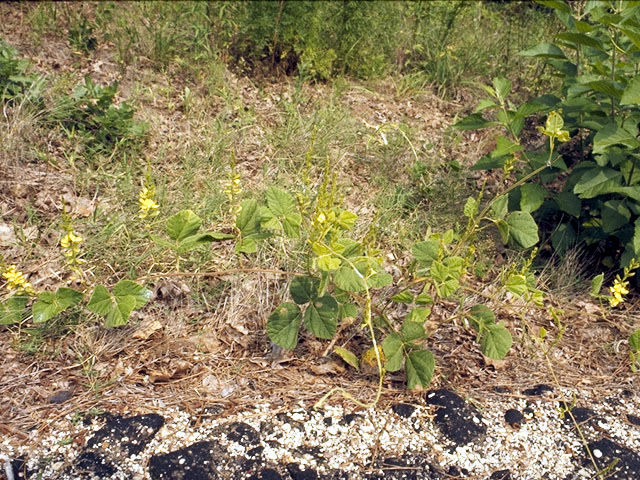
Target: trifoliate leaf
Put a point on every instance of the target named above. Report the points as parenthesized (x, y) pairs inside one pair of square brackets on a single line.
[(283, 325), (321, 317), (419, 366)]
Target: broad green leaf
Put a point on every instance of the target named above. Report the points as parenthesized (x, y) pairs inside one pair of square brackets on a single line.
[(505, 147), (502, 86), (615, 215), (116, 310), (280, 203), (488, 162), (128, 288), (544, 50), (379, 280), (248, 220), (517, 284), (403, 297), (424, 299), (419, 366), (496, 341), (183, 224), (470, 207), (447, 288), (412, 331), (349, 357), (347, 279), (597, 181), (246, 245), (555, 4), (198, 239), (632, 34), (634, 341), (346, 219), (523, 229), (484, 104), (50, 304), (596, 285), (569, 203), (418, 315), (456, 265), (348, 310), (532, 197), (321, 317), (393, 352), (480, 317), (474, 122), (291, 225), (425, 252), (13, 309), (500, 207), (503, 230), (439, 272), (304, 289), (612, 134), (283, 325), (580, 39)]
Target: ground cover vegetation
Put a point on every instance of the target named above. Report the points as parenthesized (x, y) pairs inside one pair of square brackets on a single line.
[(263, 172)]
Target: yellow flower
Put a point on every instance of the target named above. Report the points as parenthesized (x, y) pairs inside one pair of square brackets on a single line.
[(618, 291), (148, 206), (16, 280)]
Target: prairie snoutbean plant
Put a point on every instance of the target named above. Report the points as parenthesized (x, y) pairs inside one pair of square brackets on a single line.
[(591, 195)]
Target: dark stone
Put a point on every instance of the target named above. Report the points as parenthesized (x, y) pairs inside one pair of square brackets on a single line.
[(513, 417), (528, 412), (538, 390), (457, 420), (19, 468), (298, 474), (196, 462), (403, 409), (243, 434), (580, 414), (633, 419), (349, 418), (128, 435), (266, 474), (499, 389), (92, 464), (255, 453), (628, 461), (501, 475), (60, 396), (328, 421)]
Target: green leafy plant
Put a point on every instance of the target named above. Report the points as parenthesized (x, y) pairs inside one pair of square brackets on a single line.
[(116, 306), (15, 82), (90, 110)]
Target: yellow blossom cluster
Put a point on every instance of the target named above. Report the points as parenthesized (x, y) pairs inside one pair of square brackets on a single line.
[(232, 189), (148, 206), (70, 244), (16, 281), (618, 291)]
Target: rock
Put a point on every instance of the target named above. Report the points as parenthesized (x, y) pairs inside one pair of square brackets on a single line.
[(457, 420), (605, 452), (538, 390), (196, 462), (298, 474), (501, 475), (243, 434), (403, 409), (514, 417)]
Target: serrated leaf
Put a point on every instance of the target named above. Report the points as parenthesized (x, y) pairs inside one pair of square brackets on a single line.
[(403, 297), (183, 224), (412, 331), (248, 220), (129, 288), (500, 207), (418, 315), (470, 207), (502, 86), (447, 288), (304, 289), (523, 229), (283, 325), (531, 197), (496, 341), (480, 317), (199, 239), (569, 203), (349, 357), (517, 284), (116, 310), (581, 39), (596, 285), (393, 352), (321, 317), (348, 310), (346, 219), (611, 135), (597, 181), (347, 279), (279, 202), (13, 309), (378, 280), (246, 245), (419, 366), (425, 252), (50, 304), (484, 104), (505, 147)]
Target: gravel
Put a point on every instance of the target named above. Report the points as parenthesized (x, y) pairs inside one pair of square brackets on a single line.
[(516, 436)]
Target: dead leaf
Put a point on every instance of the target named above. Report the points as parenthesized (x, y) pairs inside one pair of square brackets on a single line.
[(7, 235), (331, 367), (497, 364), (147, 328)]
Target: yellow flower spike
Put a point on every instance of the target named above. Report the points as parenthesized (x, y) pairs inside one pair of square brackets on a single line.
[(16, 281), (618, 291), (148, 206)]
